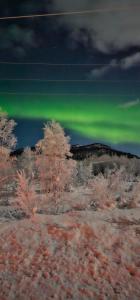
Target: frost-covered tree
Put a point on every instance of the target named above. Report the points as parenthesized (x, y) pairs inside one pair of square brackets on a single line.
[(27, 162), (26, 196), (54, 163), (7, 143), (7, 138), (84, 171)]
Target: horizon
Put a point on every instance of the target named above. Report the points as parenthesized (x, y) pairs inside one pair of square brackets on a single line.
[(36, 136)]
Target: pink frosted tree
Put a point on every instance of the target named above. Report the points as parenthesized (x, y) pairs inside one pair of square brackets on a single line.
[(26, 196), (54, 163), (7, 138), (7, 143)]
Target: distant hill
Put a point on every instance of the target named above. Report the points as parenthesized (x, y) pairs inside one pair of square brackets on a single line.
[(81, 152)]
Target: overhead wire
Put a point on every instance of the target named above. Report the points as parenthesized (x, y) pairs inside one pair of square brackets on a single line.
[(67, 13), (63, 64), (62, 94), (64, 13), (68, 80), (57, 64)]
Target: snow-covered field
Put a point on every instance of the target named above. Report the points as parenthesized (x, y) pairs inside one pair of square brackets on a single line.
[(72, 252)]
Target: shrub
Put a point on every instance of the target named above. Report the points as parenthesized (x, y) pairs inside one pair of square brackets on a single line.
[(4, 164), (26, 194), (27, 162), (84, 171), (102, 196), (135, 196), (115, 188)]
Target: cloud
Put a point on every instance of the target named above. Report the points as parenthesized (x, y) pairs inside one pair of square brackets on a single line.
[(109, 32), (101, 71), (17, 39), (124, 64), (130, 61), (106, 32), (130, 104)]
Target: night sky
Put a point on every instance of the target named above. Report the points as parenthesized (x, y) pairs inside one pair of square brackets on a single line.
[(81, 70)]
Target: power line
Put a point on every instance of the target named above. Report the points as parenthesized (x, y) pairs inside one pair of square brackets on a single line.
[(55, 64), (62, 64), (64, 94), (67, 13), (68, 80)]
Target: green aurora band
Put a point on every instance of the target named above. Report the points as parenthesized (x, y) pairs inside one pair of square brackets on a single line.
[(92, 117)]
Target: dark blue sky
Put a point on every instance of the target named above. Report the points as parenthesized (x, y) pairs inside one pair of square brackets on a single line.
[(109, 42)]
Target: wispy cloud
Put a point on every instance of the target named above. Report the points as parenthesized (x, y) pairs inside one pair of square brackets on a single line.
[(108, 32), (130, 61), (101, 71), (129, 104), (123, 64), (17, 39)]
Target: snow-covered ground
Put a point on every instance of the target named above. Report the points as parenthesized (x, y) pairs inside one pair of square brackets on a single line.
[(72, 252)]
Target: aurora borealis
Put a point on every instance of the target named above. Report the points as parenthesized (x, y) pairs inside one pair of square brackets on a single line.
[(59, 69), (88, 116)]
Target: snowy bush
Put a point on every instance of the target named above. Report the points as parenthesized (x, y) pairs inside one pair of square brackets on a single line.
[(115, 189), (26, 197)]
